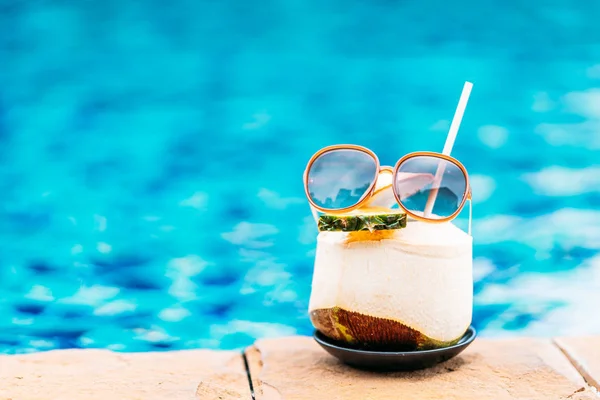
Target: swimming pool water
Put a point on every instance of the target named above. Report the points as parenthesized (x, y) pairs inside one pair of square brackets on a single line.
[(152, 156)]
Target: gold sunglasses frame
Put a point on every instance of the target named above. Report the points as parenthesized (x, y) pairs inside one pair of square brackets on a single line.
[(393, 170)]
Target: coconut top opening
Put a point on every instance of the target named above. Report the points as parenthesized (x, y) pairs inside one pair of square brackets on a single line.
[(423, 238)]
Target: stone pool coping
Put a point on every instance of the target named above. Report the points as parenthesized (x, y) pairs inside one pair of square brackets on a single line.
[(297, 368)]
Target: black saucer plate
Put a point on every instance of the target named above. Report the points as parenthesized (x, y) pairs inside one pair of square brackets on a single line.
[(394, 361)]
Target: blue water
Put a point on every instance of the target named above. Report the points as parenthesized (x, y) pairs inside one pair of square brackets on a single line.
[(152, 153)]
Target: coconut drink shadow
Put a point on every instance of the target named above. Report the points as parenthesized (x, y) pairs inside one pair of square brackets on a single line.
[(389, 292)]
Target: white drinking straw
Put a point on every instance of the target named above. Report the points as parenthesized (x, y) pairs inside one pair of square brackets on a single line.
[(458, 114)]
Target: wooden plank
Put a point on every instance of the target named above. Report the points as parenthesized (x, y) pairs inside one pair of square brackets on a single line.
[(532, 369), (102, 374), (584, 354)]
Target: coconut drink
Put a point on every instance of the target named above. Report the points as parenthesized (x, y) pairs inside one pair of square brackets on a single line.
[(393, 289), (391, 270)]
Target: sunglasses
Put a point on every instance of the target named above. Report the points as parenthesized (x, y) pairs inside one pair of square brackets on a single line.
[(428, 186)]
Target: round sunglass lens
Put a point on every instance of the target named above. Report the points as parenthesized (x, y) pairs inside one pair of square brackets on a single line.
[(430, 187), (340, 178)]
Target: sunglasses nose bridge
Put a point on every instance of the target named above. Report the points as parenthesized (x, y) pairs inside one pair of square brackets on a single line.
[(386, 168)]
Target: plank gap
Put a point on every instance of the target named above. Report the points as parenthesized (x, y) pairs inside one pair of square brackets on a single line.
[(248, 374), (581, 370)]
